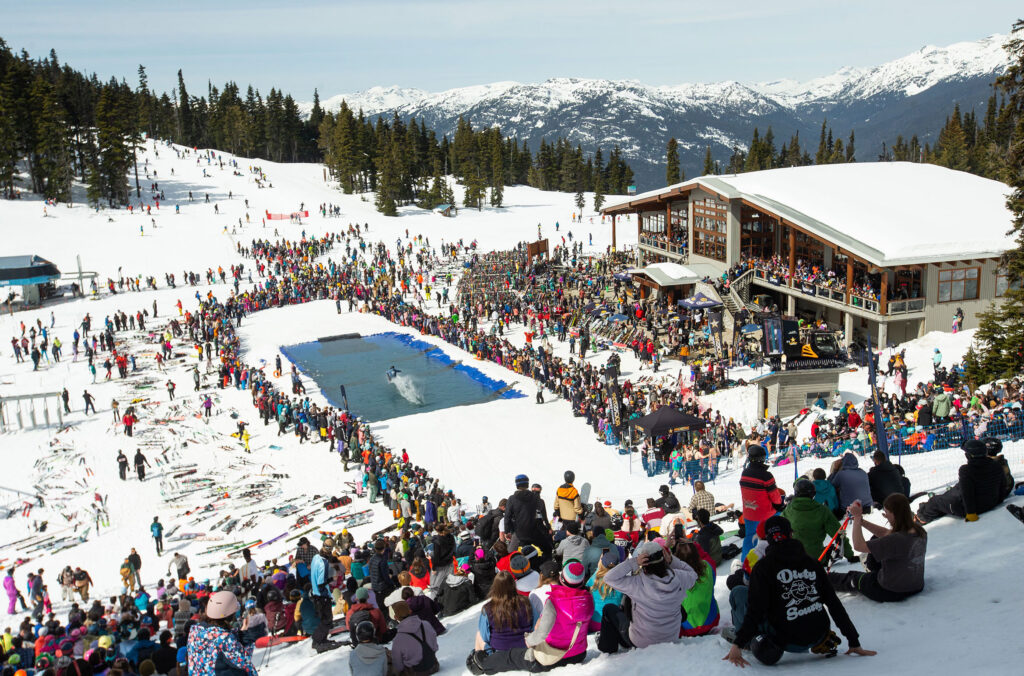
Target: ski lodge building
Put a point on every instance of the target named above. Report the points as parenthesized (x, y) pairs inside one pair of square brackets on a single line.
[(890, 248)]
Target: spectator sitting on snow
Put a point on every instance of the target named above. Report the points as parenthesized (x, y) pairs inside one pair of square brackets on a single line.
[(457, 591), (885, 478), (709, 535), (574, 544), (656, 584), (783, 609), (504, 621), (851, 483), (824, 492), (812, 522), (895, 555), (981, 487)]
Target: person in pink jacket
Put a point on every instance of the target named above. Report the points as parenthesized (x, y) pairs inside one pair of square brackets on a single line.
[(563, 623), (12, 591)]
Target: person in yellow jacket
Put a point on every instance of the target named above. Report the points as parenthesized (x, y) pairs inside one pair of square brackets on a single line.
[(567, 499)]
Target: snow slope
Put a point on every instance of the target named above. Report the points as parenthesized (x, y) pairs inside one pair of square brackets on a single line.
[(476, 451)]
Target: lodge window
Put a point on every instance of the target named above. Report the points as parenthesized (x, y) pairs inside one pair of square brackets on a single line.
[(654, 222), (1003, 284), (709, 228), (958, 284)]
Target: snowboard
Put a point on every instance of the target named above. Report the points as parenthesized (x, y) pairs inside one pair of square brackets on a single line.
[(585, 497)]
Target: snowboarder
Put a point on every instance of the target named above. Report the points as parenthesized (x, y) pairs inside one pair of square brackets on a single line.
[(391, 373), (157, 529), (122, 465), (141, 464)]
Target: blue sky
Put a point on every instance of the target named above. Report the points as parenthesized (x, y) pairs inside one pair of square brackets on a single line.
[(346, 46)]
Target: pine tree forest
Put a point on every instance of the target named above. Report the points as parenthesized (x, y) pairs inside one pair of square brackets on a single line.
[(59, 125)]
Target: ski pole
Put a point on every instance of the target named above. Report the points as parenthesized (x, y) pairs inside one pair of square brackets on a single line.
[(842, 529)]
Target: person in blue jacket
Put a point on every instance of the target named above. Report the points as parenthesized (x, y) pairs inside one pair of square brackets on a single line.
[(322, 601)]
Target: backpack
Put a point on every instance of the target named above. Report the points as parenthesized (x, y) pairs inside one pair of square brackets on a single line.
[(485, 527), (428, 663), (81, 576), (361, 615)]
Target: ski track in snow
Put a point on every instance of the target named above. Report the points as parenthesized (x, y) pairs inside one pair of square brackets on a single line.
[(973, 601)]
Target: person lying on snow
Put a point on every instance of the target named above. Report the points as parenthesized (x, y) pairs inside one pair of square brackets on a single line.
[(982, 487)]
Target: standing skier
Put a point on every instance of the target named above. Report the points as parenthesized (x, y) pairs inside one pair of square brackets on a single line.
[(122, 465), (157, 529), (141, 464)]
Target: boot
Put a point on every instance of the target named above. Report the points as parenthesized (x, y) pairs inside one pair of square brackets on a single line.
[(828, 646)]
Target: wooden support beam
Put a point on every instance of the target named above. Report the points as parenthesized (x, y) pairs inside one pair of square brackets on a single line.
[(613, 233), (668, 221), (849, 278), (792, 254), (884, 289)]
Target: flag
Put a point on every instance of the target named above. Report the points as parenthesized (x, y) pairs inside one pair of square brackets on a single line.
[(343, 396), (883, 440)]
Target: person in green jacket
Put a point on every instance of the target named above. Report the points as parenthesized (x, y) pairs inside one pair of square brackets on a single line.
[(812, 521)]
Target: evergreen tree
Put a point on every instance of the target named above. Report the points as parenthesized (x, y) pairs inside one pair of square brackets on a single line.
[(497, 171), (598, 180), (821, 157), (8, 147), (850, 151), (709, 165), (998, 350), (580, 201), (672, 170)]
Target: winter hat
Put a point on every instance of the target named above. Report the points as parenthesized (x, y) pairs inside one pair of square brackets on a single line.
[(221, 605), (777, 529), (653, 551), (522, 481), (610, 558), (479, 554), (147, 668), (362, 594), (464, 567), (518, 566), (574, 573), (400, 610), (105, 642)]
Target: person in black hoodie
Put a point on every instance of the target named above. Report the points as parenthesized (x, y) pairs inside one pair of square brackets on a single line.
[(380, 573), (457, 593), (980, 489), (165, 657), (786, 604), (884, 478), (668, 500), (524, 517), (709, 535), (441, 557), (484, 568)]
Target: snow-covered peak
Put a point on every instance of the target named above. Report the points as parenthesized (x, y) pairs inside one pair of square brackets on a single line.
[(375, 99), (907, 76)]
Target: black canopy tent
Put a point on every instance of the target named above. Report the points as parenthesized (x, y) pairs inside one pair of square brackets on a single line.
[(667, 420)]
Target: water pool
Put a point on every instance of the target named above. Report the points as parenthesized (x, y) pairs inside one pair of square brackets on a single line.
[(428, 379)]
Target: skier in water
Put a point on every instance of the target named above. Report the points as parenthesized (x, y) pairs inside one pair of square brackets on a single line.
[(391, 373)]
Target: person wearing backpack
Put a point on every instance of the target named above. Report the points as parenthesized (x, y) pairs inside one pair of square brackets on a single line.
[(369, 657), (487, 527), (414, 648)]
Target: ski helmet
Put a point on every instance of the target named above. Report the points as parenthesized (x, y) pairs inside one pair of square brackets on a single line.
[(222, 604), (569, 476), (992, 445), (765, 650), (974, 448), (294, 595), (803, 488), (756, 453), (663, 489), (365, 632)]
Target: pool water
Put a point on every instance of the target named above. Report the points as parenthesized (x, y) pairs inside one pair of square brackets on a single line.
[(428, 379)]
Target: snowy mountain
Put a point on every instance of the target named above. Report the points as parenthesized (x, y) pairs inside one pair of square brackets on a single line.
[(910, 95)]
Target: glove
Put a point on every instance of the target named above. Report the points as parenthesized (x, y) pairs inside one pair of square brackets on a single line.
[(971, 517)]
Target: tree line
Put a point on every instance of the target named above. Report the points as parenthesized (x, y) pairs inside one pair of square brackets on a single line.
[(406, 162), (59, 125), (62, 125), (764, 153)]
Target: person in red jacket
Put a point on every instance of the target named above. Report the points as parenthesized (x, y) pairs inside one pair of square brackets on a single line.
[(761, 498), (853, 419)]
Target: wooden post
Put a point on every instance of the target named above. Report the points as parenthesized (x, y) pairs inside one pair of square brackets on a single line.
[(613, 232), (792, 254), (849, 278), (668, 223), (885, 288)]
